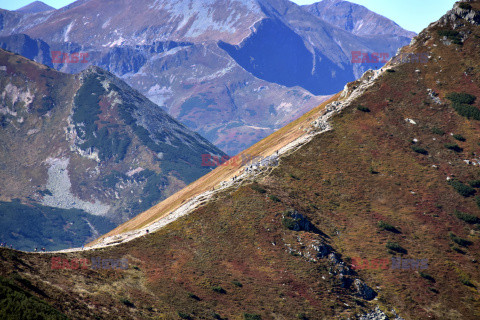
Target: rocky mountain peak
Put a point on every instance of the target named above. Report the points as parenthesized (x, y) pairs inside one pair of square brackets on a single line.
[(35, 7)]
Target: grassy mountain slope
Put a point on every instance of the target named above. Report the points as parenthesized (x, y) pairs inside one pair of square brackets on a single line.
[(386, 182), (86, 142)]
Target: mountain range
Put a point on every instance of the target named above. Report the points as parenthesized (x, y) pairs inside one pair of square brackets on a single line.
[(202, 60), (366, 207), (84, 144)]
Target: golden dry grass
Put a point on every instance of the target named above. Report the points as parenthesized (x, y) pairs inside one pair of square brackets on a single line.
[(263, 148)]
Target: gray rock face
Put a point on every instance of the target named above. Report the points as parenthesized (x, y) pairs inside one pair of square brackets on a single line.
[(378, 314), (458, 15), (363, 290), (34, 49), (297, 221), (321, 248)]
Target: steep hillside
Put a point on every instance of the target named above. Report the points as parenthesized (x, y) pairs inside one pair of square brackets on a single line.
[(86, 142), (233, 71), (374, 216)]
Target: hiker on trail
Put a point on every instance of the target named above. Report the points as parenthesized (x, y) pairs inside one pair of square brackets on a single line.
[(147, 231), (43, 249), (35, 249)]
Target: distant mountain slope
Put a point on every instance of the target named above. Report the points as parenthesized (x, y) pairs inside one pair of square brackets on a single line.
[(246, 63), (355, 18), (89, 142), (35, 7)]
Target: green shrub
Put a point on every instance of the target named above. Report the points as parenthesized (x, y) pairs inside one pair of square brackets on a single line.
[(386, 226), (274, 198), (237, 283), (461, 98), (477, 201), (395, 247), (453, 146), (216, 316), (294, 177), (460, 241), (459, 137), (289, 223), (438, 131), (465, 6), (468, 218), (457, 249), (127, 302), (363, 109), (252, 316), (427, 276), (464, 280), (461, 188), (474, 183), (219, 289), (419, 150), (452, 35), (467, 111), (390, 70), (193, 296), (184, 315), (258, 188)]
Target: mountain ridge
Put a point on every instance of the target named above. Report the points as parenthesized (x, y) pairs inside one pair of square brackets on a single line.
[(170, 54), (336, 229), (96, 138), (35, 7)]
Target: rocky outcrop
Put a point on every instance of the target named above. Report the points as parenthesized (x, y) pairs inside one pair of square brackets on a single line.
[(462, 12), (363, 290)]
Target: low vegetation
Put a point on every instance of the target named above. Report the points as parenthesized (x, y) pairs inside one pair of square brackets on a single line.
[(388, 227), (363, 109), (468, 218), (460, 241), (15, 303), (462, 188), (453, 146), (417, 149), (462, 103), (452, 35), (394, 246), (438, 131)]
